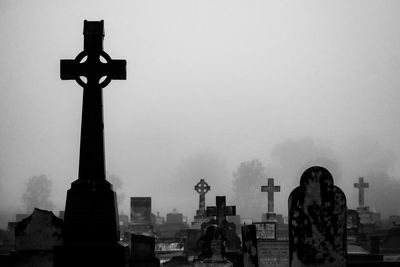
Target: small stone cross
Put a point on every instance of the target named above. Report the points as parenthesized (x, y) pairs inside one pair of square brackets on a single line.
[(221, 210), (361, 185), (202, 188), (270, 189)]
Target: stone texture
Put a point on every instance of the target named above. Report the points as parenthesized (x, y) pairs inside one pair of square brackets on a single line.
[(317, 221)]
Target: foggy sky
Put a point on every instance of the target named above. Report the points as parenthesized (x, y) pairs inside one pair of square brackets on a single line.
[(287, 82)]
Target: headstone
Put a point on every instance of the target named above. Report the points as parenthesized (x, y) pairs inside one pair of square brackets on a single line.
[(35, 239), (91, 215), (202, 188), (273, 253), (270, 189), (361, 185), (266, 230), (213, 248), (201, 216), (174, 217), (220, 211), (143, 251), (141, 221), (317, 221)]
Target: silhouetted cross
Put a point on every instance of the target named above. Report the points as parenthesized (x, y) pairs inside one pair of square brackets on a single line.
[(89, 65), (361, 185), (202, 188), (221, 210), (270, 189)]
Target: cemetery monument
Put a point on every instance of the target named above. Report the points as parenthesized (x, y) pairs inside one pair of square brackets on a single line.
[(90, 234)]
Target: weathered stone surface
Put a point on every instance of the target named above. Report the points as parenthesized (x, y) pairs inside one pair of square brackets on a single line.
[(40, 231), (317, 221)]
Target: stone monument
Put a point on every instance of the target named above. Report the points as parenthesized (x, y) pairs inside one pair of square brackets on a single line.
[(270, 189), (317, 221), (90, 234)]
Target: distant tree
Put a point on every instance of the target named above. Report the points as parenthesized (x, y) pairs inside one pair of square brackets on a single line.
[(115, 180), (247, 182), (37, 194)]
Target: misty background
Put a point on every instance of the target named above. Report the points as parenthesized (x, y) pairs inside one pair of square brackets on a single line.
[(210, 85)]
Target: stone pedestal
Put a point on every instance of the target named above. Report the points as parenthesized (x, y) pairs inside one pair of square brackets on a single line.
[(90, 234)]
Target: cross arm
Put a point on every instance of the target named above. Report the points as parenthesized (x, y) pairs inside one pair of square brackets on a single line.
[(230, 210), (69, 69), (117, 69)]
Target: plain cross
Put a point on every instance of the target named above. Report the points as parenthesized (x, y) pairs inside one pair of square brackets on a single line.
[(221, 210), (361, 185), (270, 189), (93, 69), (202, 188)]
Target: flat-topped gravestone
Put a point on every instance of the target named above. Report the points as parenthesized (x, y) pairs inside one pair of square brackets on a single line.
[(90, 231), (317, 221)]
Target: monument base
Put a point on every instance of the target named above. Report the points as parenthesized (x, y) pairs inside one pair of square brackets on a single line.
[(100, 256), (91, 214)]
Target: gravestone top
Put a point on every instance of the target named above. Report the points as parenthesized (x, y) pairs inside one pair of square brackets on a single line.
[(98, 75), (202, 188), (42, 230), (270, 189), (361, 186), (317, 221), (221, 210)]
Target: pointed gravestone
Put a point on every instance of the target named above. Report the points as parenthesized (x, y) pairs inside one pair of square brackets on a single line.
[(317, 221), (90, 234)]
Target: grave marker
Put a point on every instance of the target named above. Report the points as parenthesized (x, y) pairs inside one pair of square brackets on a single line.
[(202, 188), (91, 215), (361, 186), (317, 221), (221, 210), (270, 189)]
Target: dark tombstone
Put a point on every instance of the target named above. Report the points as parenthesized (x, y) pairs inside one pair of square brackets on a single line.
[(143, 251), (317, 221), (202, 188), (213, 248), (91, 215), (220, 211), (361, 185), (35, 239), (391, 244), (249, 244)]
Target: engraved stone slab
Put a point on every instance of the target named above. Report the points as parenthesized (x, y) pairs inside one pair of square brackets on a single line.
[(317, 221)]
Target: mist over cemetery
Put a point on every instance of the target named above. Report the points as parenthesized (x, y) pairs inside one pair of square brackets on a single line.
[(304, 203)]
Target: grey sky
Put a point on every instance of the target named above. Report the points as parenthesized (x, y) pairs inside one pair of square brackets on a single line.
[(233, 78)]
